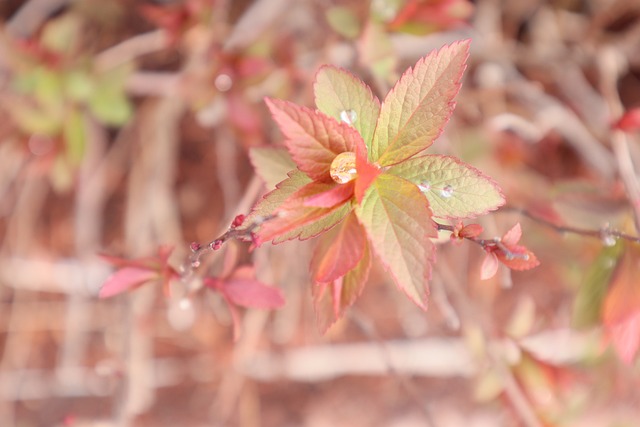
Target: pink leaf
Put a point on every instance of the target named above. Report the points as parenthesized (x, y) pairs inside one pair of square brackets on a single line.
[(489, 266), (125, 279), (625, 336), (252, 293), (312, 138)]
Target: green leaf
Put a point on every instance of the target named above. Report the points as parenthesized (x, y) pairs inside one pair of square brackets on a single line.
[(274, 199), (312, 138), (415, 111), (588, 303), (75, 135), (343, 96), (398, 221), (271, 164), (331, 300), (377, 52), (343, 21), (108, 101), (454, 189)]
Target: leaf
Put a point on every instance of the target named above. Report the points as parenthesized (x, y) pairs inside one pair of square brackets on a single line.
[(621, 310), (312, 138), (398, 222), (295, 220), (367, 173), (271, 164), (125, 279), (512, 237), (588, 302), (334, 196), (416, 110), (244, 290), (489, 266), (338, 93), (339, 251), (629, 122), (75, 135), (343, 21), (331, 300), (454, 189), (274, 199)]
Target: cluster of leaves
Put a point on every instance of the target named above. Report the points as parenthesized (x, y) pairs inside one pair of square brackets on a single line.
[(237, 285), (388, 205), (55, 86)]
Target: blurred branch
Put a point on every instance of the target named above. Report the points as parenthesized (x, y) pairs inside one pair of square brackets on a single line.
[(131, 49), (31, 15)]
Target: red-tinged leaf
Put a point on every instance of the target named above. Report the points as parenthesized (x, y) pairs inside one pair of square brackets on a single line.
[(312, 138), (454, 189), (271, 164), (126, 279), (343, 96), (245, 291), (519, 258), (331, 300), (625, 337), (629, 122), (423, 17), (398, 222), (470, 231), (367, 173), (416, 110), (489, 266), (332, 197), (295, 220), (339, 251), (274, 199)]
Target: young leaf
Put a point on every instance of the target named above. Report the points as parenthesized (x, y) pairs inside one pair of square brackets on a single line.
[(416, 110), (343, 96), (242, 289), (587, 305), (338, 251), (312, 138), (295, 220), (126, 279), (274, 199), (335, 195), (398, 222), (330, 300), (621, 310), (271, 164), (454, 189)]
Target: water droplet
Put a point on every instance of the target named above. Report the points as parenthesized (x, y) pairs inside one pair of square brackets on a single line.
[(447, 191), (223, 82), (424, 186), (608, 239), (349, 117), (343, 168)]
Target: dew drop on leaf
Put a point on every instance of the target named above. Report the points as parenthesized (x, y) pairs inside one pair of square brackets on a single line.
[(348, 116), (424, 186), (447, 191), (343, 168), (608, 240)]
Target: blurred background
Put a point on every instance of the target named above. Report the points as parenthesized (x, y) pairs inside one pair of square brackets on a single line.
[(126, 125)]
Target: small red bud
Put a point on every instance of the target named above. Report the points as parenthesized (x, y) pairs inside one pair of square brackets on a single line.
[(216, 244), (237, 221), (194, 246)]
